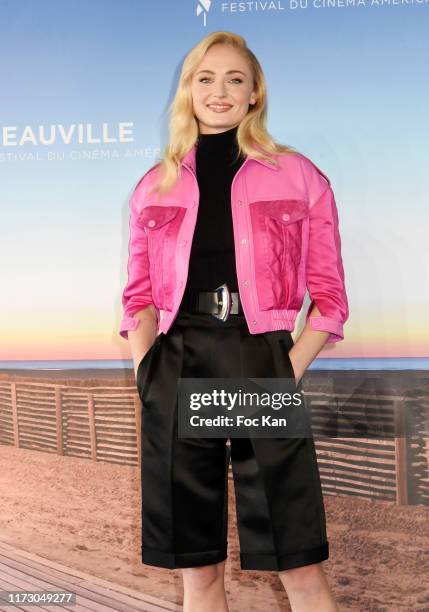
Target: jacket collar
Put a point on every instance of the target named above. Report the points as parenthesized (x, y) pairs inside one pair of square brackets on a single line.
[(189, 160)]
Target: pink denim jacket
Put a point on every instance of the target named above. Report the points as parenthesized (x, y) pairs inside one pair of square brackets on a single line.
[(286, 241)]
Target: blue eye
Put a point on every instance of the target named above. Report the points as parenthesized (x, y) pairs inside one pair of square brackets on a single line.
[(207, 79)]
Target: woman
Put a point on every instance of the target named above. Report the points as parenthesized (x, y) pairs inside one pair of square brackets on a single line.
[(226, 234)]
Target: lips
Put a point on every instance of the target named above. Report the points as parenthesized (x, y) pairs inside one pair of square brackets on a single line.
[(219, 108)]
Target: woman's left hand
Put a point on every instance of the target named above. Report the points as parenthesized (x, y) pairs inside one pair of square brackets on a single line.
[(298, 372), (306, 348)]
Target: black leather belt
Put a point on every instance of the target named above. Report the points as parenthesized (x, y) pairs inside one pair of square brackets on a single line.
[(220, 303)]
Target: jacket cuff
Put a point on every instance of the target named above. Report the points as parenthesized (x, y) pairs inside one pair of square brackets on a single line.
[(131, 323), (333, 326), (128, 324)]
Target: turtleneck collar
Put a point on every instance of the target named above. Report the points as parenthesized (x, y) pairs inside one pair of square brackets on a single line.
[(220, 149), (218, 142)]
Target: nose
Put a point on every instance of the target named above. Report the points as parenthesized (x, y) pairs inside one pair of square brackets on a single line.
[(219, 90)]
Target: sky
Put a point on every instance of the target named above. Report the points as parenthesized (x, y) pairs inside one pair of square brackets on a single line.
[(345, 87)]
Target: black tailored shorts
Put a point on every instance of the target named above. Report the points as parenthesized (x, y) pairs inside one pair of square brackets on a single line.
[(279, 502)]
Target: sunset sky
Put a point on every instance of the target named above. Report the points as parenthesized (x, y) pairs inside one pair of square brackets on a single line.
[(345, 88)]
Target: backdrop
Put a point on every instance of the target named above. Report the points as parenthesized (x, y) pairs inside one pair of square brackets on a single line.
[(85, 88)]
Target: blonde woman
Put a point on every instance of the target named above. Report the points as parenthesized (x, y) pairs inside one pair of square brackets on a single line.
[(226, 234)]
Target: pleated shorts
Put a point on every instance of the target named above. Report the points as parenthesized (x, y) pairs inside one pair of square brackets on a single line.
[(279, 502)]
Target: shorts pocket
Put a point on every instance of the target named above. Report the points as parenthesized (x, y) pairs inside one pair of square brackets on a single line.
[(143, 361), (291, 367), (287, 345), (142, 367)]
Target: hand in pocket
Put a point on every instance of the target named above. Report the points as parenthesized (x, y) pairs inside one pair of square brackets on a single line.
[(293, 368), (142, 362)]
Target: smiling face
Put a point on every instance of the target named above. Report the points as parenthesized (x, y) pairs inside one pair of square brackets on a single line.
[(222, 89)]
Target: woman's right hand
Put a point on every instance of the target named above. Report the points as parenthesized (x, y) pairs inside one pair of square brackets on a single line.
[(142, 338), (137, 362)]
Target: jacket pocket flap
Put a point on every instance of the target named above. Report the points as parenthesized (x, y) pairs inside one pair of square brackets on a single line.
[(153, 217), (285, 211)]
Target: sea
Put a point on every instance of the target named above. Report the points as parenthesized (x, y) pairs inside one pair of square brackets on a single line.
[(321, 363)]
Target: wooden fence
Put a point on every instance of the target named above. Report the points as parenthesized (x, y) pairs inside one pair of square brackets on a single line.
[(102, 423), (99, 423)]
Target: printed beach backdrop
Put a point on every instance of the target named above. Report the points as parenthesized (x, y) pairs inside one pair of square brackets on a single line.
[(83, 116)]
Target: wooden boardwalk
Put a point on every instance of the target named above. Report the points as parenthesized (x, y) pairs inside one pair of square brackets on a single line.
[(24, 571)]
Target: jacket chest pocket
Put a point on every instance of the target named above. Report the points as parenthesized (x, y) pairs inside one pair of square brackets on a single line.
[(161, 224), (280, 228)]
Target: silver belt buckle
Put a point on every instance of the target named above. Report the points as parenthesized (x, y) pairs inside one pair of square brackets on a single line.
[(225, 301)]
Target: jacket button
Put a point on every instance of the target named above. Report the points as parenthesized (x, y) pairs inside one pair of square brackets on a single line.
[(285, 217), (151, 222), (255, 322), (240, 203), (246, 282), (243, 241)]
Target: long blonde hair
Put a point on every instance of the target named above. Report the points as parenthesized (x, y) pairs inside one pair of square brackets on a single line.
[(183, 125)]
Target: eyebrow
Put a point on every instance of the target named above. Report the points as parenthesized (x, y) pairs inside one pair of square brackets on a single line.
[(228, 72)]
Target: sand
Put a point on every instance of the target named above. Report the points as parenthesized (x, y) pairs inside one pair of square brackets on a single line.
[(87, 515)]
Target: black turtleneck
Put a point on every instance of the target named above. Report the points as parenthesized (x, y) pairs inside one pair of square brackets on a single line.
[(212, 258)]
